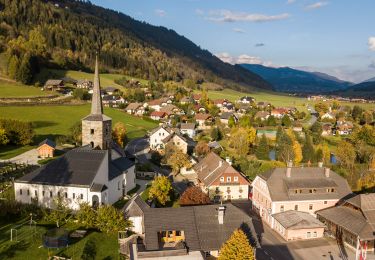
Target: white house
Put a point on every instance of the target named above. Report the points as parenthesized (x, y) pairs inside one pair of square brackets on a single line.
[(157, 136), (96, 173), (328, 116), (188, 129)]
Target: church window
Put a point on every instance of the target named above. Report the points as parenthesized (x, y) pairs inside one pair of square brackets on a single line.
[(28, 192), (20, 191), (311, 207), (81, 196), (50, 194), (43, 193), (36, 193), (58, 194), (66, 195), (92, 131), (74, 195)]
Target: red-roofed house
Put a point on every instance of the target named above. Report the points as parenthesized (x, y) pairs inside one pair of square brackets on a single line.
[(157, 115)]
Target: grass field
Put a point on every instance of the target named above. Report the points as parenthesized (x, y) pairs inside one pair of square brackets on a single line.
[(276, 99), (52, 121), (10, 90), (29, 245)]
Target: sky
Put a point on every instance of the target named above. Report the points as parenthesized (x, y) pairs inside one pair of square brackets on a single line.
[(334, 36)]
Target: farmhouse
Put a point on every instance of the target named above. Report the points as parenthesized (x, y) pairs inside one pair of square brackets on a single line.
[(96, 173), (85, 84), (203, 120), (279, 191), (132, 108), (188, 129), (246, 100), (157, 115), (220, 180), (157, 136), (194, 232), (54, 84)]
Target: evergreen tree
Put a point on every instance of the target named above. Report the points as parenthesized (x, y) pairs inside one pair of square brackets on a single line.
[(279, 133), (13, 64), (24, 72), (262, 151), (284, 149), (308, 149), (216, 134), (237, 247), (285, 121), (271, 121)]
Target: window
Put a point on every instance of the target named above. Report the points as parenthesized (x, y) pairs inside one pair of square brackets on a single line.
[(50, 194), (311, 207), (58, 194), (92, 131), (20, 191), (221, 179), (308, 235), (43, 193), (332, 190), (229, 179), (236, 179), (311, 191), (315, 234), (81, 196), (325, 202), (296, 191), (36, 193), (28, 192), (66, 195), (282, 208), (295, 207), (74, 195)]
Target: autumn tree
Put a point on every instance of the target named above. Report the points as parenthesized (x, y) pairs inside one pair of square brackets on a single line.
[(111, 220), (239, 140), (160, 190), (119, 134), (262, 151), (176, 159), (194, 196), (284, 148), (216, 134), (237, 247), (285, 121), (202, 148), (231, 122), (323, 154), (86, 216), (308, 149), (297, 152), (346, 154), (3, 137)]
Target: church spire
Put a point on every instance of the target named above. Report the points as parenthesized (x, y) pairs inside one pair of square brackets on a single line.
[(96, 104)]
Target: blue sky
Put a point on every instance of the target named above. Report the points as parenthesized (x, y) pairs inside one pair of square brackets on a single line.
[(333, 36)]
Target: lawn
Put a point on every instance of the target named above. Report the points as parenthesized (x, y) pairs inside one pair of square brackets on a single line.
[(52, 121), (9, 90), (276, 99), (30, 243)]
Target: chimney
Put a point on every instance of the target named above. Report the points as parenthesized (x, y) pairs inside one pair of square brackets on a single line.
[(320, 164), (221, 213), (326, 172), (289, 169)]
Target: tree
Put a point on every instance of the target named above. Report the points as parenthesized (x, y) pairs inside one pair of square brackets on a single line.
[(160, 190), (279, 133), (17, 132), (251, 133), (194, 196), (24, 73), (75, 133), (231, 122), (285, 121), (262, 151), (202, 148), (3, 137), (178, 160), (59, 214), (13, 65), (346, 154), (357, 112), (245, 121), (323, 154), (111, 220), (81, 94), (237, 247), (86, 216), (239, 140), (321, 108), (308, 149), (216, 134), (119, 134), (271, 121), (297, 151), (284, 149)]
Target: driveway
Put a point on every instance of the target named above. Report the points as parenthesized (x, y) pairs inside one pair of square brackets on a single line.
[(29, 157)]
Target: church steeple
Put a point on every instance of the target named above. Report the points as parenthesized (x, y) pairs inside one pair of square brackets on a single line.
[(96, 105)]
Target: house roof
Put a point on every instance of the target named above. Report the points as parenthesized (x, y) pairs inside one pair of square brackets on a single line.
[(111, 89), (202, 116), (199, 223), (96, 187), (226, 115), (187, 126), (76, 167), (279, 185), (97, 117), (136, 207), (247, 98), (153, 131), (53, 82), (212, 167), (158, 113), (293, 219), (262, 114), (118, 167), (133, 106), (47, 142), (358, 222)]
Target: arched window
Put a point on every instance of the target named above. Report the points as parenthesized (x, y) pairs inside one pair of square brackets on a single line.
[(92, 144)]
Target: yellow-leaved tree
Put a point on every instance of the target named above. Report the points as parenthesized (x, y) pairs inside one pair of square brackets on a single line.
[(119, 133), (297, 150), (237, 247)]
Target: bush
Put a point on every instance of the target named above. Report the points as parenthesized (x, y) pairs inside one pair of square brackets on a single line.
[(89, 251), (17, 132)]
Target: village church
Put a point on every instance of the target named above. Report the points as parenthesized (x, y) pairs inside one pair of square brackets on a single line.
[(96, 173)]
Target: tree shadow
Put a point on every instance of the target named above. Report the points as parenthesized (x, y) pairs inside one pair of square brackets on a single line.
[(10, 249), (41, 124)]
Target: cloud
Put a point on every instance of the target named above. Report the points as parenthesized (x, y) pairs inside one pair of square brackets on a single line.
[(371, 43), (290, 2), (199, 11), (241, 59), (316, 5), (238, 30), (160, 12), (228, 16), (372, 65), (259, 44)]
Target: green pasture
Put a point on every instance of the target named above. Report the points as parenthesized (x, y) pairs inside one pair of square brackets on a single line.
[(10, 89)]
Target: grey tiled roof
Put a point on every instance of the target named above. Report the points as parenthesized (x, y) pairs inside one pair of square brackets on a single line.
[(136, 208), (199, 223), (97, 117), (118, 166), (293, 219), (48, 142), (281, 187), (76, 167), (96, 187), (187, 126)]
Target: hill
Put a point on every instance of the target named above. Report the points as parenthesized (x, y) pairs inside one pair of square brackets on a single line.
[(66, 34), (297, 81), (364, 90)]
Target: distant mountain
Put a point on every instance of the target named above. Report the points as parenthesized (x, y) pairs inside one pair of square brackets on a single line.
[(68, 33), (286, 79), (370, 80), (364, 90)]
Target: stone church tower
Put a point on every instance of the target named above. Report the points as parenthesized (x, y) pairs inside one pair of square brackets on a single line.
[(97, 127)]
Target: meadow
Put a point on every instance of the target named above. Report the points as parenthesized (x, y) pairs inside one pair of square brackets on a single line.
[(10, 89), (52, 121)]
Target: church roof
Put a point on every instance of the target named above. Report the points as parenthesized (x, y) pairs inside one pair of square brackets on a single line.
[(96, 105), (77, 167)]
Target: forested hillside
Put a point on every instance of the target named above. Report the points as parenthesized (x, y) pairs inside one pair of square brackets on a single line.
[(67, 34)]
